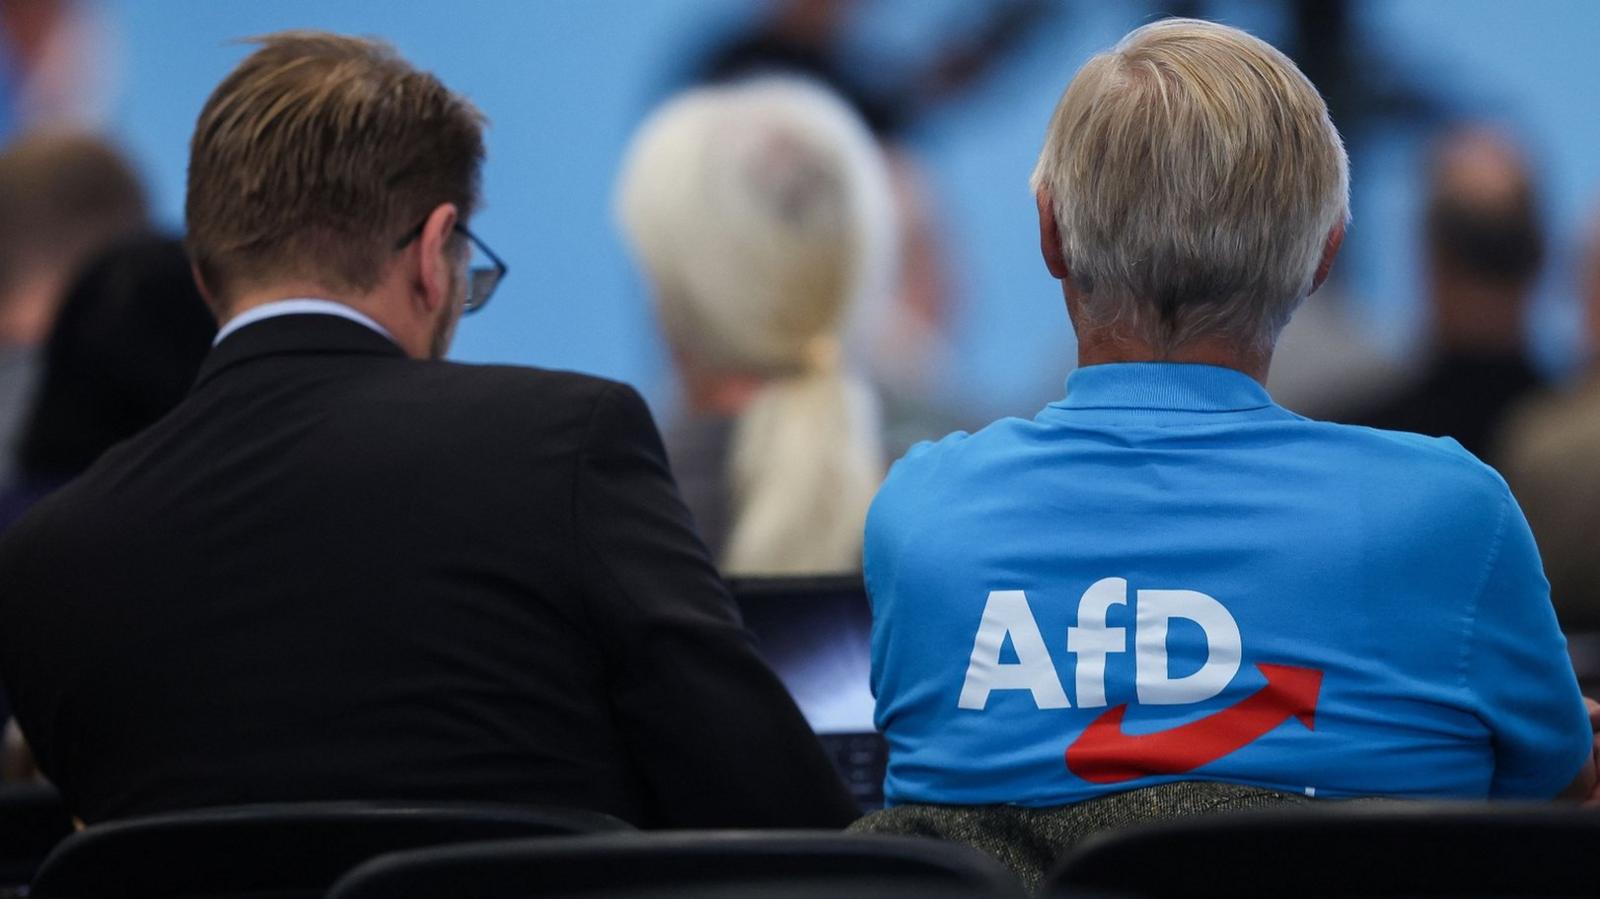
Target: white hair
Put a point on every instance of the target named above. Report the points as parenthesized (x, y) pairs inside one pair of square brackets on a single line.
[(1195, 177), (761, 213)]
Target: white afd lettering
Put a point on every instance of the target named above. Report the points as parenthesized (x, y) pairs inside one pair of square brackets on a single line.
[(1007, 614), (1223, 649), (1091, 640)]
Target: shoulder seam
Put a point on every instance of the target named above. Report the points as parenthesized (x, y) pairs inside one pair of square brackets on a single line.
[(1470, 621), (1433, 446)]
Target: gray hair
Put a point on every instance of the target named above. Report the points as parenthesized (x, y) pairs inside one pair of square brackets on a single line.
[(1195, 176)]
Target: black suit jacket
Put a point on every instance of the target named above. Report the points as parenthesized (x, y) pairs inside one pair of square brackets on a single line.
[(336, 572)]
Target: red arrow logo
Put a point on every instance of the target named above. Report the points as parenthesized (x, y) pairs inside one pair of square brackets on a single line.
[(1103, 754)]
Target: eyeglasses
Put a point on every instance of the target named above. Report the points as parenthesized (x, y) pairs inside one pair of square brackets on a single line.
[(481, 279)]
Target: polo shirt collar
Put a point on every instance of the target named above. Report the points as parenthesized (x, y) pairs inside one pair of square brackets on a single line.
[(1167, 386)]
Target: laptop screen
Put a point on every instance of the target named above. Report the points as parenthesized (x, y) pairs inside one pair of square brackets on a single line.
[(816, 634), (1585, 649)]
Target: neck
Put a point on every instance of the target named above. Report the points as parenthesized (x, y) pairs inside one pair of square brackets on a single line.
[(371, 305), (1102, 347)]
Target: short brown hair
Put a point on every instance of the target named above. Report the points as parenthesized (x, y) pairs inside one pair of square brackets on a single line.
[(315, 155)]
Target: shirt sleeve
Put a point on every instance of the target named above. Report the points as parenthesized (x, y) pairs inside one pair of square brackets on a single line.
[(1518, 669), (713, 733)]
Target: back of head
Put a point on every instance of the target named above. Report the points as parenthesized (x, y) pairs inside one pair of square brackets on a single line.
[(1483, 219), (1195, 178), (124, 351), (761, 213), (313, 158), (63, 196)]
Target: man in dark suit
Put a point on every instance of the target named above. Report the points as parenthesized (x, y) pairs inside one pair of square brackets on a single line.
[(343, 568)]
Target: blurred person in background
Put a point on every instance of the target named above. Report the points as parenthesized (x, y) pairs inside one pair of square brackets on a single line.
[(16, 761), (1485, 244), (807, 38), (903, 339), (58, 66), (760, 215), (1549, 451), (63, 197), (1326, 363), (124, 350), (1096, 606)]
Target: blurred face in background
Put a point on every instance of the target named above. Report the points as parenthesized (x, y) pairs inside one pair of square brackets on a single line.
[(1485, 239), (64, 196)]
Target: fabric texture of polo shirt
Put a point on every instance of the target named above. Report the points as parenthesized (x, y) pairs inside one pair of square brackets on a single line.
[(1166, 576)]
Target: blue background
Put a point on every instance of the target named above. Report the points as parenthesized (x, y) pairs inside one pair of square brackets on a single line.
[(565, 81)]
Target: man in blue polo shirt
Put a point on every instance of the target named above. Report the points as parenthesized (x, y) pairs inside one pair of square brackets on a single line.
[(1166, 576)]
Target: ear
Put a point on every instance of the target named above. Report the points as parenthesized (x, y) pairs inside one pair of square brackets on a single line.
[(1329, 251), (432, 284), (205, 292), (1055, 258)]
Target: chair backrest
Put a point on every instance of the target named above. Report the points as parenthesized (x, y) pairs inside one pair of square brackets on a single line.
[(704, 864), (1347, 850), (32, 821), (290, 849), (1030, 841), (1584, 646)]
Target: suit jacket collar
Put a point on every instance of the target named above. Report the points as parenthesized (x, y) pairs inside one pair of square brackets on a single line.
[(305, 334)]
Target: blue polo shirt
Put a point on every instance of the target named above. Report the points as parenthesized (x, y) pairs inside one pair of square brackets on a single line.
[(1166, 576)]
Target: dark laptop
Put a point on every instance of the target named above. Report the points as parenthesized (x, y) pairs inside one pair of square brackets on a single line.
[(816, 634)]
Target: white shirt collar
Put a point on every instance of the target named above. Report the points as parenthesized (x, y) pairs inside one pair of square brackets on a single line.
[(299, 306)]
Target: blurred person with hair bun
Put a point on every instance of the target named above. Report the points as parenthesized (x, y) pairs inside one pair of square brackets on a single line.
[(761, 214)]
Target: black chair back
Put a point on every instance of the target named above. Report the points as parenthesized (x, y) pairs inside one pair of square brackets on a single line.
[(1356, 849), (283, 850), (32, 821), (705, 865)]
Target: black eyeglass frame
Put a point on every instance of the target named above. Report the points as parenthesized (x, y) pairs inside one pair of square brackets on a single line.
[(481, 280)]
